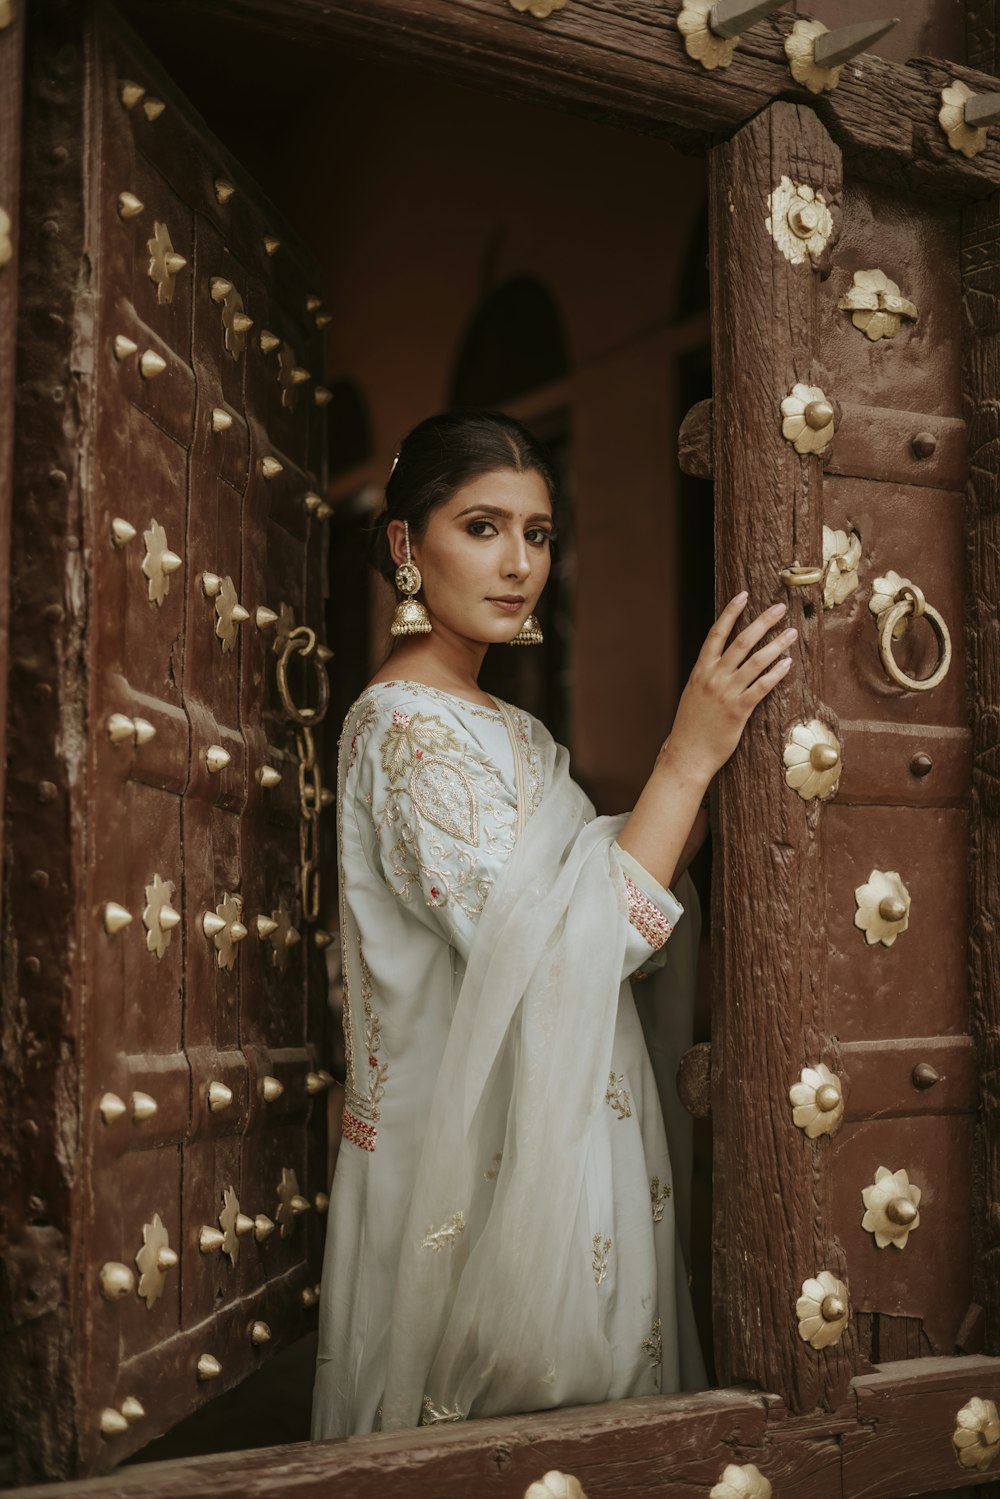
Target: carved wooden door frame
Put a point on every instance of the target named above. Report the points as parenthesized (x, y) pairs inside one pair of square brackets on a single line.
[(883, 1433)]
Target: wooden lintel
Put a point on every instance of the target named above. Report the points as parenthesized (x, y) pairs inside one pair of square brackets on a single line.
[(626, 65)]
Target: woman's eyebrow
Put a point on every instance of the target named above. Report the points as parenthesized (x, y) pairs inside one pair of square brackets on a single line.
[(503, 514)]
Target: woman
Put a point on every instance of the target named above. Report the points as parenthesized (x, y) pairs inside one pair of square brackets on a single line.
[(502, 1232)]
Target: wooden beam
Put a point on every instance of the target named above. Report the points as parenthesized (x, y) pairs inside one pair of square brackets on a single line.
[(626, 65)]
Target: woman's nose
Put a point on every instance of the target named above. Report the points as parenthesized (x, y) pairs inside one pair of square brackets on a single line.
[(517, 563)]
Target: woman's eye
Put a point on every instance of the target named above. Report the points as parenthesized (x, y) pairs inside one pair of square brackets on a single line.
[(537, 536), (474, 525)]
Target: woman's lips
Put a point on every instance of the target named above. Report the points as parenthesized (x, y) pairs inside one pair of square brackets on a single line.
[(510, 606)]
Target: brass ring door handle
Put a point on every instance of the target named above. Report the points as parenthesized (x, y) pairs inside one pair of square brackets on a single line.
[(303, 641), (908, 602)]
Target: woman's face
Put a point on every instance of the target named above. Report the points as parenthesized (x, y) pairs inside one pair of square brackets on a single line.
[(484, 556)]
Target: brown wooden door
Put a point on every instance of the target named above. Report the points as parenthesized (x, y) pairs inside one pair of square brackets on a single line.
[(161, 1230), (840, 445)]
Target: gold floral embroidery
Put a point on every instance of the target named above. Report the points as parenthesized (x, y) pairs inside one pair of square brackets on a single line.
[(618, 1096), (647, 918), (435, 1415), (532, 762), (366, 1105), (409, 737), (493, 1170), (653, 1345), (443, 793), (599, 1260), (445, 1236), (658, 1196)]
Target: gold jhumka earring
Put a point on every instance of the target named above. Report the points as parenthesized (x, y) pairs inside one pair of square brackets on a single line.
[(530, 633), (411, 617)]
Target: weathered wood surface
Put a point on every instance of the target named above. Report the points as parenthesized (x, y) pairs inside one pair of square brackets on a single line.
[(981, 272), (11, 56), (626, 65), (771, 1187)]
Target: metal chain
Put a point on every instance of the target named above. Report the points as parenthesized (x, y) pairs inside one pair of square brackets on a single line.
[(302, 640)]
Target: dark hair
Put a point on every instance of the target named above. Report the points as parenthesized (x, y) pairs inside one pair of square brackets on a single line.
[(441, 454)]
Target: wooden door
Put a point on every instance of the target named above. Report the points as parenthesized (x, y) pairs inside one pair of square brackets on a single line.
[(162, 1227), (840, 446)]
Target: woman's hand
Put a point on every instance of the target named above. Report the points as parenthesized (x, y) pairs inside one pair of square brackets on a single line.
[(724, 688)]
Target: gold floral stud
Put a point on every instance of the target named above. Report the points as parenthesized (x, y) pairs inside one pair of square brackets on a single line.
[(808, 419), (817, 1101), (812, 760), (798, 220), (883, 907), (540, 9), (822, 1310), (976, 1438), (741, 1481), (876, 306), (892, 1208), (841, 555)]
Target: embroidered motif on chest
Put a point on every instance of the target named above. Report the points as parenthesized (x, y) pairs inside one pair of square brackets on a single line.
[(443, 794), (409, 738)]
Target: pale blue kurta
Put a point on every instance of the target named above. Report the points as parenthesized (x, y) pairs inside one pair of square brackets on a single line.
[(433, 793)]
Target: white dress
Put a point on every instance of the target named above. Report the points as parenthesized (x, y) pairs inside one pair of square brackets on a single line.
[(434, 793)]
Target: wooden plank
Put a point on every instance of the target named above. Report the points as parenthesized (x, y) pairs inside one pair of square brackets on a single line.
[(627, 1449), (981, 274), (906, 1414), (880, 1077), (626, 65), (769, 1013), (11, 67)]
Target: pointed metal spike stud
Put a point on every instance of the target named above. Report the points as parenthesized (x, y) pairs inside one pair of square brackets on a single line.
[(219, 288), (309, 1297), (312, 303), (221, 420), (210, 1240), (265, 618), (144, 730), (268, 341), (321, 1202), (121, 728), (730, 18), (122, 532), (299, 1204), (113, 1423), (259, 1333), (166, 1258), (271, 1088), (115, 917), (208, 1367), (211, 585), (241, 322), (129, 206), (111, 1107), (312, 500), (323, 653), (219, 1097), (151, 364), (169, 918), (130, 93), (836, 47), (271, 245), (212, 924), (265, 926), (174, 263), (982, 110), (263, 1227), (300, 375), (322, 396), (324, 511), (267, 777), (243, 1224), (240, 614), (270, 467), (124, 347), (223, 190), (143, 1107), (322, 938), (237, 931), (217, 758), (317, 1082), (323, 319), (116, 1280), (153, 108), (326, 798), (170, 562), (132, 1409)]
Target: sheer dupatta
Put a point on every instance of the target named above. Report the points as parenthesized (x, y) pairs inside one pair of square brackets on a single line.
[(495, 1308)]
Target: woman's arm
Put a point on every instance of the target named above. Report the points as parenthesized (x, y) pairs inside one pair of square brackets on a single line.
[(725, 686)]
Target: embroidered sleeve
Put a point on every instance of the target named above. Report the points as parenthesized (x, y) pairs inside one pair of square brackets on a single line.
[(442, 816), (653, 912)]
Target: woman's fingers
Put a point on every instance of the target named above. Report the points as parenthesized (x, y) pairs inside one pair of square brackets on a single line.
[(745, 641), (769, 679), (758, 660), (717, 636)]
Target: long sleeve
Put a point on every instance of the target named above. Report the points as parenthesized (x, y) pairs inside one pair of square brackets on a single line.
[(443, 817)]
